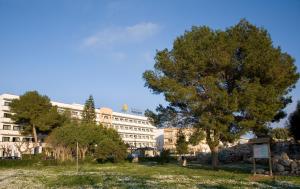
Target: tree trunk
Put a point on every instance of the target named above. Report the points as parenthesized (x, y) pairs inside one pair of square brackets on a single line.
[(214, 157), (34, 136), (212, 139)]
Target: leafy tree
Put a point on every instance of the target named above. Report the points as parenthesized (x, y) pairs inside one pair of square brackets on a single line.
[(280, 133), (35, 113), (294, 123), (89, 113), (181, 143), (225, 83), (196, 137), (101, 142)]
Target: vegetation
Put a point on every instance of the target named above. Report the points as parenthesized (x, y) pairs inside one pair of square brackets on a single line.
[(181, 143), (96, 140), (35, 113), (280, 133), (225, 83), (131, 175), (294, 123), (89, 113)]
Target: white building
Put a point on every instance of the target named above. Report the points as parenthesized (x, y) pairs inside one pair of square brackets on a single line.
[(135, 130)]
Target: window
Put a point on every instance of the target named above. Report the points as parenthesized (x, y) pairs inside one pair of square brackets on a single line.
[(130, 120), (16, 139), (6, 103), (135, 128), (5, 139), (143, 122), (60, 110), (7, 115), (117, 119), (139, 121), (27, 139), (74, 113), (16, 128), (6, 127)]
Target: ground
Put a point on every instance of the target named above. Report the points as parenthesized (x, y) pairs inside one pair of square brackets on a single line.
[(146, 175)]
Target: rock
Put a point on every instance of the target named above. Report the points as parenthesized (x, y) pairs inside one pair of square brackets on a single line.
[(284, 173), (260, 171), (276, 158), (294, 167), (279, 168), (284, 156), (285, 162)]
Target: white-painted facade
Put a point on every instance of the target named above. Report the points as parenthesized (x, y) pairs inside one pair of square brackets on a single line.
[(135, 130)]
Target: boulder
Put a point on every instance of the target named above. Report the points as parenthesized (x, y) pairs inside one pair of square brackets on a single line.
[(284, 156), (294, 167), (285, 162), (260, 171), (279, 168), (284, 173)]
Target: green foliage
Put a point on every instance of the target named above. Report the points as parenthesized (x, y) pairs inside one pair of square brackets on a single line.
[(181, 143), (89, 113), (164, 156), (196, 137), (152, 117), (102, 143), (294, 123), (280, 133), (35, 113), (110, 146), (224, 82)]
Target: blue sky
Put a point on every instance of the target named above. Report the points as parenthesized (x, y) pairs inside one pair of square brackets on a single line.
[(70, 49)]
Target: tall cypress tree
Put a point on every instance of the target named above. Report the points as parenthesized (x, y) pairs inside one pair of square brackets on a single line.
[(89, 113)]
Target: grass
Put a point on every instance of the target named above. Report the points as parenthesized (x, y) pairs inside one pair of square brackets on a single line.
[(146, 175)]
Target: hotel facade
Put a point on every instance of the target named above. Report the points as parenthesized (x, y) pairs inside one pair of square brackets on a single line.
[(135, 130)]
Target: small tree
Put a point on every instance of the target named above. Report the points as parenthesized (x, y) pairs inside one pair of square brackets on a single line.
[(35, 113), (181, 143), (89, 113), (294, 123), (280, 133)]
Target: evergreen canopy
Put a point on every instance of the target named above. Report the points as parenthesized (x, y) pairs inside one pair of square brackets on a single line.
[(224, 82), (35, 113), (89, 113)]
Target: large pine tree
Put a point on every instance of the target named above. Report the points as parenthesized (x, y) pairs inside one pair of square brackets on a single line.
[(224, 82), (36, 113), (89, 113)]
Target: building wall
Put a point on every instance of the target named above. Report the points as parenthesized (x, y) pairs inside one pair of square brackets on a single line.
[(135, 130), (170, 138)]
